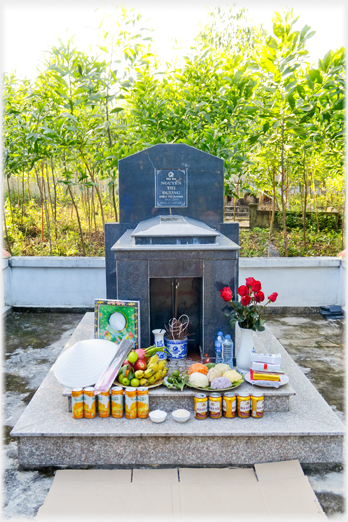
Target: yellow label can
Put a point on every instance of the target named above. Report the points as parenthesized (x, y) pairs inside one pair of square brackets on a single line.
[(77, 403), (117, 402)]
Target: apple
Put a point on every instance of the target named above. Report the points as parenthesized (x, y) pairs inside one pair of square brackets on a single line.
[(140, 365)]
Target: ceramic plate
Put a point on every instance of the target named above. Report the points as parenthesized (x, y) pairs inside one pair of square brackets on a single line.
[(284, 379), (116, 383)]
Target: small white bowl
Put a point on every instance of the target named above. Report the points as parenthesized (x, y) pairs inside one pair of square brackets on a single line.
[(158, 416), (181, 418)]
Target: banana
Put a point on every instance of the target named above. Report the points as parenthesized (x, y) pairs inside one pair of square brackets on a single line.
[(158, 375), (153, 359), (152, 380), (139, 374), (153, 366), (144, 382), (165, 371), (161, 364), (148, 373)]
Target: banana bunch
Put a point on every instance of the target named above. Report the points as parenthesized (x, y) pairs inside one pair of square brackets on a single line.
[(155, 371)]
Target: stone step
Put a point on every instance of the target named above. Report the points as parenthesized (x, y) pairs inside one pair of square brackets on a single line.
[(310, 431)]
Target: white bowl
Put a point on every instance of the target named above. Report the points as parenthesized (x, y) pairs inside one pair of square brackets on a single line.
[(156, 417), (181, 418)]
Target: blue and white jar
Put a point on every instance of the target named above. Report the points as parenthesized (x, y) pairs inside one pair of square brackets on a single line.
[(159, 341), (176, 349)]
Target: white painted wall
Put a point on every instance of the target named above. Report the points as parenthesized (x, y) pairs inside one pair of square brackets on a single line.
[(299, 281), (76, 281)]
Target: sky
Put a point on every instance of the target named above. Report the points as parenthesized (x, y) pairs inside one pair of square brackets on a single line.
[(30, 27)]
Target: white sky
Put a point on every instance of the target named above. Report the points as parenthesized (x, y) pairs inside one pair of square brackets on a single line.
[(29, 27)]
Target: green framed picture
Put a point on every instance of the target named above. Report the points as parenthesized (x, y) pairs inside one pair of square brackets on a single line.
[(115, 320)]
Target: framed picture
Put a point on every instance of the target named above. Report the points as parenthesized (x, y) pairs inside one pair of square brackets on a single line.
[(115, 320)]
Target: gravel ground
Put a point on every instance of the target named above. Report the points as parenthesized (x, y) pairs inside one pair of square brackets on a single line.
[(33, 342)]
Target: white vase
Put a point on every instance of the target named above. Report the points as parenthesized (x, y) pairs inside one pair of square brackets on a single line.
[(159, 341), (245, 350)]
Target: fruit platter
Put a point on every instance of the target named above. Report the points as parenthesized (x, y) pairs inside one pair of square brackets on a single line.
[(142, 368), (205, 377)]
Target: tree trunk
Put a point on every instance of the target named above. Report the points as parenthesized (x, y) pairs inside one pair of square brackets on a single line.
[(93, 209), (43, 204), (6, 233), (114, 201), (283, 193), (315, 201), (273, 204), (78, 219), (304, 199), (22, 198), (29, 194), (91, 173), (55, 192), (9, 196)]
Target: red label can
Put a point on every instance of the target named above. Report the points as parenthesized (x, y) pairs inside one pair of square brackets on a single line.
[(215, 405), (201, 406)]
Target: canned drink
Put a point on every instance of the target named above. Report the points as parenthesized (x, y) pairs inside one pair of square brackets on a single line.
[(243, 405), (257, 405), (89, 406), (143, 402), (229, 405), (104, 404), (77, 403), (117, 402), (201, 406), (215, 405), (131, 403)]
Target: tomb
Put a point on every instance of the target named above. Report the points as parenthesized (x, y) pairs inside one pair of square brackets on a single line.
[(172, 250)]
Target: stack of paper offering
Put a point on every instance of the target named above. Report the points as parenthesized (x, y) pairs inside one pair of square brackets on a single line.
[(265, 369)]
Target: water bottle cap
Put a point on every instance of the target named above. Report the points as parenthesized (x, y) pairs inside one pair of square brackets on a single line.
[(219, 333), (227, 336)]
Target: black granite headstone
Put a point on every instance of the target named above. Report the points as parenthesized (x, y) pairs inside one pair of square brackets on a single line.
[(146, 189)]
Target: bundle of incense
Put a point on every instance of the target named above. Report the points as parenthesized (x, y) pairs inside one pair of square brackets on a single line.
[(265, 376)]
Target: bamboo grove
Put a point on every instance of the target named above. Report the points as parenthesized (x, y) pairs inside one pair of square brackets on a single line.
[(249, 97)]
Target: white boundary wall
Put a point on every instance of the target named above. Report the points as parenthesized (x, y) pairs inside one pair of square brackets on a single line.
[(76, 281)]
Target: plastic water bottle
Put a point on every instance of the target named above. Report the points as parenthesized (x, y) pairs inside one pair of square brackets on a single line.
[(218, 347), (227, 348)]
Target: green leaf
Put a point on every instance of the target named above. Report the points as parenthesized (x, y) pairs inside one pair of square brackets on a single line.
[(117, 109)]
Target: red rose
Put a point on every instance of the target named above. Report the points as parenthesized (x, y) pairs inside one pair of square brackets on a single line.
[(243, 290), (259, 297), (226, 293), (249, 281), (273, 297), (245, 300), (256, 286)]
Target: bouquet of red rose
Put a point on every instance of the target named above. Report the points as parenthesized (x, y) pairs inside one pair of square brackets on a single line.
[(248, 311)]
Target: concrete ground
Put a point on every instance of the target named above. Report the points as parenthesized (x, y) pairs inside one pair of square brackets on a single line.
[(33, 341)]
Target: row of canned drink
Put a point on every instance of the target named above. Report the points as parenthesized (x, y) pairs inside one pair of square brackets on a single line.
[(134, 403), (229, 405)]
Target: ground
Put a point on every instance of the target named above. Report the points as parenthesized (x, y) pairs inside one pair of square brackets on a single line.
[(33, 341)]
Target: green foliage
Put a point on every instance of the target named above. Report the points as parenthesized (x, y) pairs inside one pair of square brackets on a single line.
[(254, 243), (242, 94), (328, 221)]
